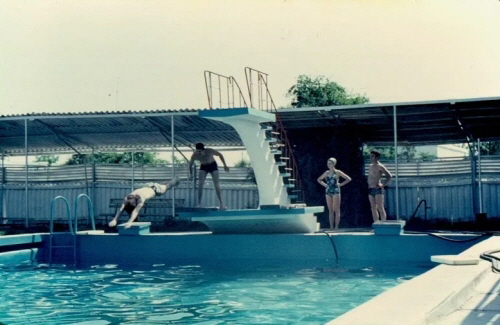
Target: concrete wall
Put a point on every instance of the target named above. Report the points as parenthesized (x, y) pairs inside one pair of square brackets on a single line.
[(315, 248)]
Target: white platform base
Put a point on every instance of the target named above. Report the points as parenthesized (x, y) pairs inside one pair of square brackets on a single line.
[(389, 227), (272, 221), (136, 229), (454, 259)]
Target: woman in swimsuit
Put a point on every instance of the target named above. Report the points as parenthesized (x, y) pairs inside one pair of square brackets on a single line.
[(330, 180)]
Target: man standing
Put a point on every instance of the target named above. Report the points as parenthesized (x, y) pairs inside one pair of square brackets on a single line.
[(134, 202), (376, 187), (208, 165)]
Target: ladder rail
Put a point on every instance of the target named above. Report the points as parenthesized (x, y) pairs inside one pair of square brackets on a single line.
[(90, 207), (51, 223)]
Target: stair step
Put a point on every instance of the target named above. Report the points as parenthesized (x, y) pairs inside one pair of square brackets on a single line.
[(289, 185), (271, 140), (266, 127), (278, 145), (274, 132), (293, 196), (276, 152), (285, 158), (280, 163), (288, 168), (285, 174)]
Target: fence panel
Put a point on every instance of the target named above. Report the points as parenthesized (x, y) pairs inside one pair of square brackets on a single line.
[(40, 198), (445, 184)]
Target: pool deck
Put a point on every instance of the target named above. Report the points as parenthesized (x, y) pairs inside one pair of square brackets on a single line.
[(481, 307), (447, 294)]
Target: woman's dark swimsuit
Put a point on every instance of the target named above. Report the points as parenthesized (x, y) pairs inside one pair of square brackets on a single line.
[(332, 187), (209, 168)]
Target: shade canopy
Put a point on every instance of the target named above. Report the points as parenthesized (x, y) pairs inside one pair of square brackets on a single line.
[(418, 123), (111, 131)]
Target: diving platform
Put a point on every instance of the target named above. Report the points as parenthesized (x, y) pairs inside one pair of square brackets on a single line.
[(257, 221)]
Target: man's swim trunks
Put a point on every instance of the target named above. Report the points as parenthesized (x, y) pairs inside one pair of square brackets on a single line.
[(209, 168), (375, 191), (156, 187)]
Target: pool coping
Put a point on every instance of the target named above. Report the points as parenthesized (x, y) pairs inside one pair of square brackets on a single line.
[(426, 298)]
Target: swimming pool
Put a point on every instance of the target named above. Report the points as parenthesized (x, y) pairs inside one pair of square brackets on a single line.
[(192, 294)]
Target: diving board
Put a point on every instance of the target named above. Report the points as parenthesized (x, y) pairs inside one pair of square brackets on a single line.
[(258, 221)]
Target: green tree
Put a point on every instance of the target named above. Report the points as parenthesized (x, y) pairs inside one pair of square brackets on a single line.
[(490, 148), (406, 153), (424, 156), (319, 91), (140, 158), (386, 153), (49, 159), (242, 163)]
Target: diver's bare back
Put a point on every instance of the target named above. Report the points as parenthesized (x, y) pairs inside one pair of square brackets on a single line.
[(145, 193)]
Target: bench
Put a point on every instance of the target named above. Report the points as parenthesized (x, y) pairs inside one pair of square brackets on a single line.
[(154, 210)]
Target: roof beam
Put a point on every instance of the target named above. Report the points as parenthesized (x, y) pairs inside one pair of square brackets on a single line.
[(159, 127), (463, 128), (59, 136)]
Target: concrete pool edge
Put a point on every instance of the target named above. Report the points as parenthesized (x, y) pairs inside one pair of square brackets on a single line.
[(22, 256), (157, 248), (426, 298)]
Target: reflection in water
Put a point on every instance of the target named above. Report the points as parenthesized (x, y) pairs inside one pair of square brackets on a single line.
[(110, 294)]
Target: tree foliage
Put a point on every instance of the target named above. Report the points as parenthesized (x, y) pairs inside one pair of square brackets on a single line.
[(49, 159), (406, 153), (319, 91), (243, 163), (490, 148), (140, 158)]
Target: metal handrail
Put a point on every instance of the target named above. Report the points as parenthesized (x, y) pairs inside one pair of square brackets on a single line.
[(293, 162), (90, 209), (425, 209), (51, 225), (261, 83), (68, 210), (271, 107), (231, 84), (268, 93)]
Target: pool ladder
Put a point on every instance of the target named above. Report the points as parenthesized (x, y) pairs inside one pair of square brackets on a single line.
[(73, 229)]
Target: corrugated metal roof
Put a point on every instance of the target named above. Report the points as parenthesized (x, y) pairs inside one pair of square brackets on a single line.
[(111, 130), (430, 122)]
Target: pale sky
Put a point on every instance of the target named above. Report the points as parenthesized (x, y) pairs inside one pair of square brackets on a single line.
[(106, 55)]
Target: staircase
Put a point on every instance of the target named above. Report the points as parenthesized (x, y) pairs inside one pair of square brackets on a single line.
[(263, 135), (283, 156)]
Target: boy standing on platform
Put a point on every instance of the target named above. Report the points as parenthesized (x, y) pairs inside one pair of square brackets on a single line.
[(208, 165), (376, 187)]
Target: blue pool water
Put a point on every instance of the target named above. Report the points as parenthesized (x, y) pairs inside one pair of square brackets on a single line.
[(190, 294)]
